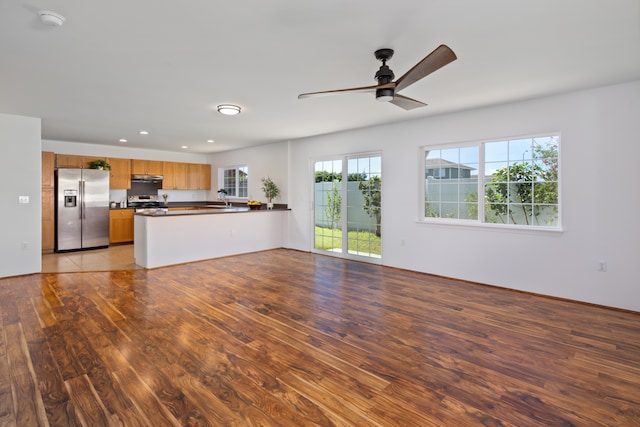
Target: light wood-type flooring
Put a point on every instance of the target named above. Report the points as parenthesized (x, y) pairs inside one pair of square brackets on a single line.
[(287, 338), (116, 257)]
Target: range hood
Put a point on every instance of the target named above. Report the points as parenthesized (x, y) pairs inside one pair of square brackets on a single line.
[(146, 178)]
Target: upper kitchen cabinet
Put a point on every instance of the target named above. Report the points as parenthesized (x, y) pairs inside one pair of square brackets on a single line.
[(186, 176), (193, 176), (68, 161), (180, 176), (205, 177), (73, 161), (174, 176), (120, 173), (198, 176), (169, 180), (146, 167)]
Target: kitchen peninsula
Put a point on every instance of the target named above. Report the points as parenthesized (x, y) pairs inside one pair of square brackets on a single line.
[(175, 237)]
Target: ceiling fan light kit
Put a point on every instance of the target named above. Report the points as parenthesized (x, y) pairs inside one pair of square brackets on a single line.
[(51, 18), (384, 95), (228, 109), (387, 90)]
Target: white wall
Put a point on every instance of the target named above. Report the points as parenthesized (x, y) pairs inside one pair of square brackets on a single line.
[(263, 161), (84, 149), (20, 175), (600, 156)]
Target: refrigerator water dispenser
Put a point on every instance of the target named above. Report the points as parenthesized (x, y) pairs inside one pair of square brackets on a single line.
[(70, 198)]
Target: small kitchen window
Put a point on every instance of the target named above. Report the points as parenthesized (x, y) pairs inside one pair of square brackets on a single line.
[(235, 180)]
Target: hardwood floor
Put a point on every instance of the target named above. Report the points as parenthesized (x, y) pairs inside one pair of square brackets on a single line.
[(285, 338)]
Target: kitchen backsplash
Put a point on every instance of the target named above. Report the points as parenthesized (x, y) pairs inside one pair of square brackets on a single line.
[(173, 195)]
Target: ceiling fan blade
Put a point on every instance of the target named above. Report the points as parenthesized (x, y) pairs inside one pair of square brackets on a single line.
[(406, 102), (364, 89), (437, 59)]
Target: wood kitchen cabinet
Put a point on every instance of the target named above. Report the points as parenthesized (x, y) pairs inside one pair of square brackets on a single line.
[(120, 173), (68, 161), (168, 172), (198, 176), (73, 161), (121, 226), (48, 220), (180, 176), (205, 177), (193, 176), (48, 166), (175, 176), (146, 167), (48, 202)]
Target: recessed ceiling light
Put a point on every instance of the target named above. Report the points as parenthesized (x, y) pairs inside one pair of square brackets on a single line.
[(210, 141), (228, 109), (184, 147), (123, 140), (144, 132)]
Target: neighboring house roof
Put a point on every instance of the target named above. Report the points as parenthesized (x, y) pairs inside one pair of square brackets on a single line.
[(441, 163)]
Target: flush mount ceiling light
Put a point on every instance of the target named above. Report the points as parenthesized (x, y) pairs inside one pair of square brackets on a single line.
[(210, 141), (144, 132), (51, 18), (228, 109), (123, 140)]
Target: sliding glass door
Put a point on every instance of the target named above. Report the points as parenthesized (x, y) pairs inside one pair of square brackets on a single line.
[(347, 202)]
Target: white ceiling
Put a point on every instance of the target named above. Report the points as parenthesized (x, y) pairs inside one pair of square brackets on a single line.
[(118, 66)]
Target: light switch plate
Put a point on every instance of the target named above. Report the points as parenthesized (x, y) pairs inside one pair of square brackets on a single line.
[(23, 199)]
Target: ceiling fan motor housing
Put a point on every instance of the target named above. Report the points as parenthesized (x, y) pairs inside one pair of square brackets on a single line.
[(384, 75)]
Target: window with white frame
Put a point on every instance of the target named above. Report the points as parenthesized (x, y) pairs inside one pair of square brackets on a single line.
[(235, 181), (510, 181)]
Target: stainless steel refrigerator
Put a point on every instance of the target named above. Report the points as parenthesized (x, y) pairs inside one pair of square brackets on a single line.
[(82, 209)]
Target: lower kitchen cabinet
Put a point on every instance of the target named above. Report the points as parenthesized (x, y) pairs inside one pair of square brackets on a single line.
[(121, 226), (48, 220)]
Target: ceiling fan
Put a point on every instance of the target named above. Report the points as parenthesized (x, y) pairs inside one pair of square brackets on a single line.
[(387, 90)]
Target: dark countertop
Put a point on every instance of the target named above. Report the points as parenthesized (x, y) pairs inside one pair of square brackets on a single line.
[(221, 210), (201, 204), (276, 206)]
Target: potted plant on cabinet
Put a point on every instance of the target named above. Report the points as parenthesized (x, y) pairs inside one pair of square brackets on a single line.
[(271, 191), (99, 164)]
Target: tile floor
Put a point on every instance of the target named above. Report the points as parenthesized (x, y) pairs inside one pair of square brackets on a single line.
[(118, 257)]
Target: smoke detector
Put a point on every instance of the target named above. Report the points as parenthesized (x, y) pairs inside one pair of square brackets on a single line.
[(51, 18)]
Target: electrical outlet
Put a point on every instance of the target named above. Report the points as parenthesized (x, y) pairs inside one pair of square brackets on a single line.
[(23, 199), (602, 265), (25, 245)]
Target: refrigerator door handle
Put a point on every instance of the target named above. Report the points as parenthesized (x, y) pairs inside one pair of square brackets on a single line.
[(82, 203)]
